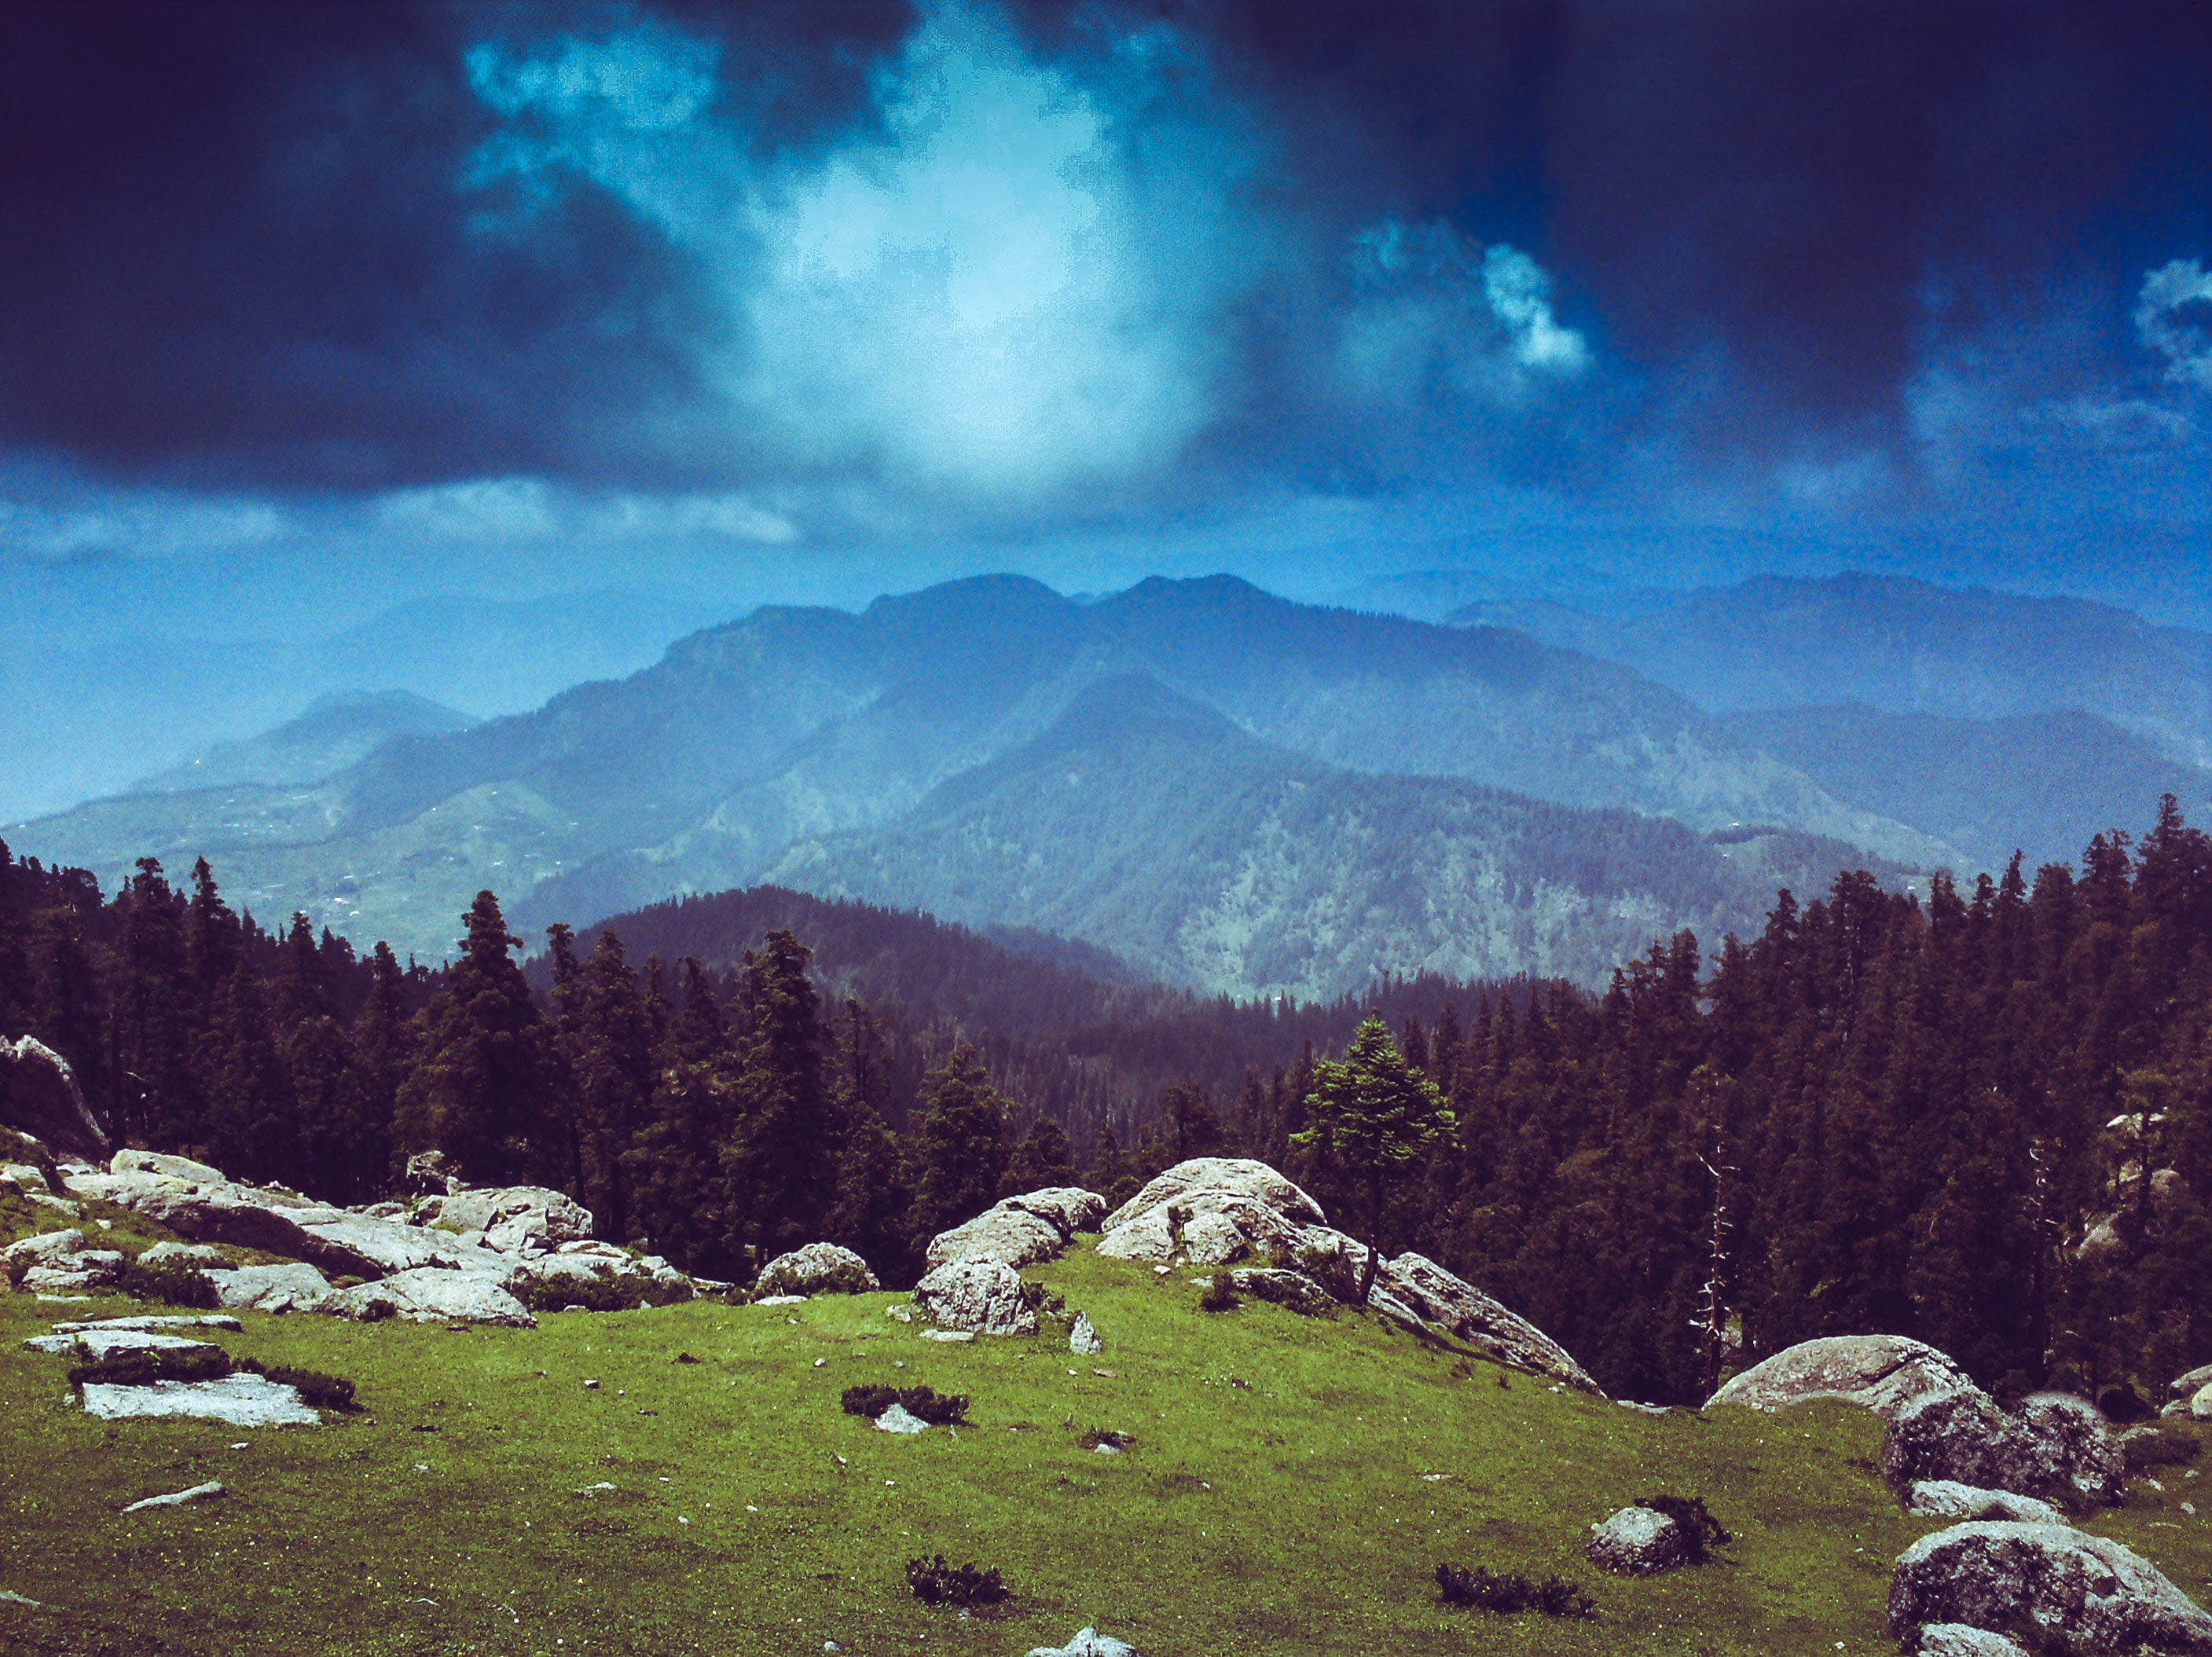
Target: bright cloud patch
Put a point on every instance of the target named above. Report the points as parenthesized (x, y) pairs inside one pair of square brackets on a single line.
[(2174, 317)]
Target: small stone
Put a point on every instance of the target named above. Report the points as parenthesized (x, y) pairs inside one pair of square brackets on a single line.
[(820, 1363), (1082, 1339), (178, 1498), (1089, 1642), (946, 1334), (899, 1419), (1638, 1542), (903, 1313), (591, 1385), (1962, 1640)]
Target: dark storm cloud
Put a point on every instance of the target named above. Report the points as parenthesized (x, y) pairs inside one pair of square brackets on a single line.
[(1330, 241)]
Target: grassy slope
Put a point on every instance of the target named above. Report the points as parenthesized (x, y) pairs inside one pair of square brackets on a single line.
[(1291, 1515)]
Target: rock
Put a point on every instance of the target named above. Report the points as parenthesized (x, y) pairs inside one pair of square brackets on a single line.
[(40, 1097), (172, 1167), (154, 1321), (71, 1273), (1294, 1290), (1638, 1542), (2194, 1381), (1963, 1436), (982, 1296), (1880, 1372), (1211, 1226), (1236, 1175), (194, 1255), (178, 1498), (1958, 1640), (520, 1218), (1011, 1237), (24, 1177), (1067, 1209), (293, 1287), (2085, 1589), (782, 1300), (1082, 1339), (10, 1598), (430, 1295), (1088, 1643), (243, 1400), (899, 1314), (820, 1268), (1453, 1304), (430, 1174), (948, 1334), (899, 1419), (2200, 1403), (1946, 1498), (2072, 1449), (102, 1342), (47, 1248), (519, 1273)]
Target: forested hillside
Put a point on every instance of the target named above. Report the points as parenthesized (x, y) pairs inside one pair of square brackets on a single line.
[(1984, 1119)]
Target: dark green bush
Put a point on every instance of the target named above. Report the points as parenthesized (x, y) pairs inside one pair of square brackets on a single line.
[(1104, 1437), (316, 1389), (170, 1282), (936, 1583), (1221, 1295), (1477, 1589), (1292, 1291), (922, 1402), (603, 1291), (1699, 1528), (2169, 1445), (144, 1369), (842, 1278), (2123, 1404)]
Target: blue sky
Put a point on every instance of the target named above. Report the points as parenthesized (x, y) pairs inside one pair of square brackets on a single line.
[(307, 310)]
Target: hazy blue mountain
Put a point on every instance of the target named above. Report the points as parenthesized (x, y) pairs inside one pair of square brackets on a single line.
[(1907, 646), (794, 726), (2039, 783), (336, 730), (87, 722)]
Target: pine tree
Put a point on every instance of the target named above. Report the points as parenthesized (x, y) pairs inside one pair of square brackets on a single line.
[(609, 1040), (960, 1144), (780, 1162), (1043, 1159)]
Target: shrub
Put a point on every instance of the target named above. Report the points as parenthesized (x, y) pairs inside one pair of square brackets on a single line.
[(1291, 1291), (144, 1367), (1105, 1438), (1477, 1589), (1221, 1295), (2167, 1446), (603, 1291), (1700, 1530), (170, 1282), (841, 1277), (316, 1389), (2123, 1404), (923, 1402), (936, 1583)]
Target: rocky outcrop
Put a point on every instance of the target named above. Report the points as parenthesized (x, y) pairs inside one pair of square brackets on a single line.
[(293, 1286), (1880, 1372), (1019, 1231), (1999, 1575), (431, 1296), (983, 1297), (2070, 1450), (243, 1400), (1237, 1175), (1067, 1209), (1457, 1306), (817, 1269), (430, 1173), (523, 1219), (1638, 1542), (60, 1263), (1958, 1640), (580, 1265), (40, 1097), (1947, 1498)]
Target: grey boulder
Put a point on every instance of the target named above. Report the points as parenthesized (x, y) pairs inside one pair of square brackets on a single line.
[(293, 1286), (1082, 1339), (817, 1269), (1947, 1498), (1638, 1542), (985, 1297), (1011, 1237), (1088, 1643), (1880, 1372), (1451, 1303), (1960, 1639), (243, 1400), (518, 1219), (1999, 1575), (1237, 1175), (40, 1097), (430, 1295)]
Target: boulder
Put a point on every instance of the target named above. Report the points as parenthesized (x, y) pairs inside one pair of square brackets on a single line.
[(1237, 1175), (178, 1498), (295, 1286), (47, 1248), (1880, 1372), (25, 1177), (1088, 1643), (1451, 1303), (95, 1268), (518, 1219), (2194, 1381), (243, 1400), (171, 1191), (430, 1174), (1946, 1498), (1638, 1542), (900, 1419), (154, 1321), (1082, 1339), (520, 1273), (1961, 1437), (40, 1097), (1958, 1640), (169, 1167), (2200, 1403), (1067, 1209), (817, 1269), (1011, 1237), (2000, 1575), (2072, 1449), (983, 1297), (1214, 1226), (192, 1254), (101, 1341), (429, 1295)]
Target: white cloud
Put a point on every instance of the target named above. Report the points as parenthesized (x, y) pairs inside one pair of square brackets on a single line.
[(482, 509), (525, 509), (2185, 343), (41, 520)]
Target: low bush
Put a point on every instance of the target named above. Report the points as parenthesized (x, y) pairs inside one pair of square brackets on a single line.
[(1700, 1530), (603, 1291), (924, 1403), (170, 1282), (2123, 1404), (1292, 1291), (316, 1389), (1221, 1295), (936, 1583), (1105, 1438), (2168, 1444), (144, 1368), (842, 1278), (1477, 1589)]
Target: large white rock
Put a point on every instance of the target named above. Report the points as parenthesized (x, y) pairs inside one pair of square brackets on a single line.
[(982, 1296), (174, 1168), (295, 1286), (819, 1268), (103, 1342), (1239, 1175), (89, 1268), (1011, 1237), (47, 1248), (518, 1219), (1998, 1574), (431, 1296), (1636, 1542), (1067, 1208), (1880, 1372), (1947, 1498), (243, 1400), (199, 1255), (1958, 1640), (2192, 1383), (1088, 1643), (1451, 1303)]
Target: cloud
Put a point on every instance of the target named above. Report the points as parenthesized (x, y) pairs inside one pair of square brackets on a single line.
[(491, 510), (2174, 317), (52, 518), (482, 509)]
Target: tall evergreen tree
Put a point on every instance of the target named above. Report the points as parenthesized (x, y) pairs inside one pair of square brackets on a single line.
[(779, 1161), (960, 1149)]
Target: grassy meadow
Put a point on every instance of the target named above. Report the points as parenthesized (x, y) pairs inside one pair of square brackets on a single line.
[(1290, 1485)]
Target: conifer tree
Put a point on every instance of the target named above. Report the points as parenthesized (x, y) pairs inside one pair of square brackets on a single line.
[(780, 1160), (960, 1149), (1043, 1159)]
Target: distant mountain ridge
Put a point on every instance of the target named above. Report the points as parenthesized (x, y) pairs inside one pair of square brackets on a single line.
[(337, 730), (776, 745)]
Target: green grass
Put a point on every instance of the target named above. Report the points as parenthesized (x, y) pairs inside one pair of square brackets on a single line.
[(1292, 1513)]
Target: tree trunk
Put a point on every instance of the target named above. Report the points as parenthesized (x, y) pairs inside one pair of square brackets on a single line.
[(1373, 1267)]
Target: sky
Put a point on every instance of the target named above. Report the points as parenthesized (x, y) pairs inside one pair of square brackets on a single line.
[(308, 310)]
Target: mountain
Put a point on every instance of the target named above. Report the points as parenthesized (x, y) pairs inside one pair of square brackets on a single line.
[(1907, 646), (2039, 783), (751, 748), (336, 730)]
